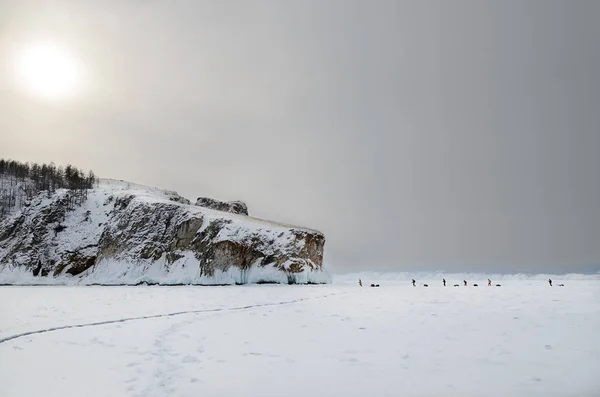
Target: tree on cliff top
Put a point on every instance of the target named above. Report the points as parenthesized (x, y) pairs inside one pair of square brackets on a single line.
[(20, 182)]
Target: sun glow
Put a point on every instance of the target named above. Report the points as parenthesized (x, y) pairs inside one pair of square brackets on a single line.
[(48, 70)]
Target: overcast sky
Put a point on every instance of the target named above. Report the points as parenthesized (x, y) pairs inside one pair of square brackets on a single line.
[(434, 135)]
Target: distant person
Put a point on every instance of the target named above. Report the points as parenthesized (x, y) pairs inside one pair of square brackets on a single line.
[(414, 283), (465, 281), (444, 281), (489, 282), (550, 282), (360, 282)]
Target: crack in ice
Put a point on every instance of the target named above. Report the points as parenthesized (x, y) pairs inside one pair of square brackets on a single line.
[(123, 320)]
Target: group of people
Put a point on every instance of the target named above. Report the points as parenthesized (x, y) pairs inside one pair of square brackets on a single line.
[(414, 283)]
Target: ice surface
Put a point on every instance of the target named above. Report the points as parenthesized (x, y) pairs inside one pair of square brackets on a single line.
[(522, 339)]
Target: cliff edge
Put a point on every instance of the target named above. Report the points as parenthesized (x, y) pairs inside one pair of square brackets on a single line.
[(124, 233)]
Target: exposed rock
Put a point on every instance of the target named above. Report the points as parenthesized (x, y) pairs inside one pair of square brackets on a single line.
[(235, 207), (132, 235), (173, 196)]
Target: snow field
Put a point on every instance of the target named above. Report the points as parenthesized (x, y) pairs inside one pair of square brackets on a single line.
[(327, 340)]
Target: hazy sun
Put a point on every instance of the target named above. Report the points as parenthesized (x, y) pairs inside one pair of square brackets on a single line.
[(48, 70)]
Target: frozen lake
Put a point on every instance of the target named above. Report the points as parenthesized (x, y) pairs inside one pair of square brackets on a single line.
[(522, 339)]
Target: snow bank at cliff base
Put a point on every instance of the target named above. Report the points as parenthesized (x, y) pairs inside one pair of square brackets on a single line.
[(110, 272)]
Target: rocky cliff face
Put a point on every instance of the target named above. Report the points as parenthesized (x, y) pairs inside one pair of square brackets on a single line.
[(235, 207), (129, 234)]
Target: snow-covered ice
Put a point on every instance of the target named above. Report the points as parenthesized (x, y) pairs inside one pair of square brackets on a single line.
[(522, 339)]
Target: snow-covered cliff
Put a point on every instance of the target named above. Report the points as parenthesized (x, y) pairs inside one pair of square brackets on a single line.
[(125, 233)]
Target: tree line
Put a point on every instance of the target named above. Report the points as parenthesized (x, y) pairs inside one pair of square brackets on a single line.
[(20, 182)]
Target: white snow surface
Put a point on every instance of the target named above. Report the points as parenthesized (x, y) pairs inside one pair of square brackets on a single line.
[(522, 339)]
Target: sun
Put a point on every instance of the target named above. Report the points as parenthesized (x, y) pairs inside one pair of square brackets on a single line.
[(48, 70)]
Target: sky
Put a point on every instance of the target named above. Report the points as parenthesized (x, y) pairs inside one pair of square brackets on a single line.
[(456, 136)]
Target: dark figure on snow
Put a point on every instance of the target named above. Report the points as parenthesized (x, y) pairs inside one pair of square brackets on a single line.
[(444, 281), (550, 282), (414, 283), (360, 282), (489, 282), (465, 281)]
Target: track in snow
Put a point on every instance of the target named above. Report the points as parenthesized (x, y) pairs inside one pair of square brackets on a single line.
[(123, 320)]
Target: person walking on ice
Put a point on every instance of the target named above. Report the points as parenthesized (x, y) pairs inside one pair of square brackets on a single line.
[(414, 283), (444, 281), (465, 281), (550, 282), (489, 282), (360, 282)]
